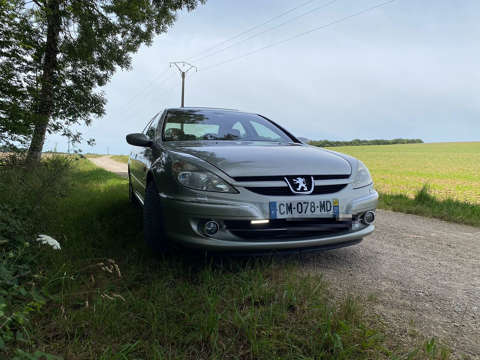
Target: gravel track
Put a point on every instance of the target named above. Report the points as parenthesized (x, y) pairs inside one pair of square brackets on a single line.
[(424, 274), (109, 164)]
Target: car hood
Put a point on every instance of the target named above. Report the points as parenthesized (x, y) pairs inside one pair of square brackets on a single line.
[(266, 159)]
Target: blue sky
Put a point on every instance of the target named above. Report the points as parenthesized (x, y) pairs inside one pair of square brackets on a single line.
[(409, 69)]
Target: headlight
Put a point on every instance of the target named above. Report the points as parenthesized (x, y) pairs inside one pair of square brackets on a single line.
[(195, 177), (363, 177)]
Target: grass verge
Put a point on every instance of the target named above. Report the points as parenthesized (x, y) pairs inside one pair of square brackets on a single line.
[(424, 204), (92, 156), (109, 298), (120, 158)]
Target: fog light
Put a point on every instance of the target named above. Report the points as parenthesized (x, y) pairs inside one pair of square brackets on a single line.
[(369, 217), (253, 222), (211, 228)]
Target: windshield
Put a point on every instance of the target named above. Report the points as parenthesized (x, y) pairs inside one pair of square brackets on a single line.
[(191, 125)]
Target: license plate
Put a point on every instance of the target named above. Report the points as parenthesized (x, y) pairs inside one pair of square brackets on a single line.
[(295, 209)]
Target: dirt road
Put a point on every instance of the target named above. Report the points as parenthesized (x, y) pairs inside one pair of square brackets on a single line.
[(111, 165), (423, 273)]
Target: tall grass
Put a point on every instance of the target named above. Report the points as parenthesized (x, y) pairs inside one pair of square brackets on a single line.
[(28, 196), (424, 204)]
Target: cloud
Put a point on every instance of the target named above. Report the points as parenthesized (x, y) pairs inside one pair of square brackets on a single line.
[(407, 69)]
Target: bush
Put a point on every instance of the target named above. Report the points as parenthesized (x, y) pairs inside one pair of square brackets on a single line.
[(27, 195)]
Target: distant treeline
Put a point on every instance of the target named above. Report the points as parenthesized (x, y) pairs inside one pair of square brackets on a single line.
[(358, 142)]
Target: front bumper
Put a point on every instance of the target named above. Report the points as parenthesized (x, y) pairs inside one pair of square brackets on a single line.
[(184, 215)]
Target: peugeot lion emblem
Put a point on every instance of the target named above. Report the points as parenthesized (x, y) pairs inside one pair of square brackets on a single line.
[(300, 185)]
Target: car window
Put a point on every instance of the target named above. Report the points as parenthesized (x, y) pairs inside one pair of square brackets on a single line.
[(264, 132), (238, 126), (151, 123), (158, 130), (191, 125), (151, 131), (199, 130)]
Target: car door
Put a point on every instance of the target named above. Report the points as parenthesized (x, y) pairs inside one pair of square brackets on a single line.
[(139, 161), (133, 168)]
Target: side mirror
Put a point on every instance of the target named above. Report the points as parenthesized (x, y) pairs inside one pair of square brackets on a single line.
[(139, 139)]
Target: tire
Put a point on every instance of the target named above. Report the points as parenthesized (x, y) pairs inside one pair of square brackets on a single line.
[(153, 221)]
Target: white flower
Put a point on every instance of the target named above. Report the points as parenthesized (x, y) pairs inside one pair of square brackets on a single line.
[(45, 239)]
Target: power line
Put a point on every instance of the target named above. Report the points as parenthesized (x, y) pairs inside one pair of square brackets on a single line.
[(98, 132), (253, 52), (183, 74), (158, 77), (116, 117), (263, 32), (296, 36), (108, 128), (108, 120), (256, 27)]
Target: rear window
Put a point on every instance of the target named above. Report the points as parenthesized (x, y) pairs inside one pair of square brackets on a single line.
[(193, 125)]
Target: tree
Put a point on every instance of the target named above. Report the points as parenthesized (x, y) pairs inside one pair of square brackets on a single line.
[(68, 49), (19, 65)]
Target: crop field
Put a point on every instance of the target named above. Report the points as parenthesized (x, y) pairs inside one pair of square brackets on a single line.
[(451, 170), (120, 158)]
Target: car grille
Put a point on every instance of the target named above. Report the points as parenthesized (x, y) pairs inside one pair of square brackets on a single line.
[(286, 229), (285, 191), (281, 178)]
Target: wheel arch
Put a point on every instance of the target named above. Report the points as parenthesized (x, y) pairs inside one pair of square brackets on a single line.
[(150, 178)]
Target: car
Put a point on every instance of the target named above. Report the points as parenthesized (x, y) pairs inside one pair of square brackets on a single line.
[(231, 182)]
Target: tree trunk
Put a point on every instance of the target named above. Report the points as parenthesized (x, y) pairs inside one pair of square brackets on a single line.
[(50, 64)]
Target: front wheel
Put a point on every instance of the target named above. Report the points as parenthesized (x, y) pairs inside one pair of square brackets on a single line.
[(153, 221)]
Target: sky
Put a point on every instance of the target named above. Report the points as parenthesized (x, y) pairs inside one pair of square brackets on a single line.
[(407, 69)]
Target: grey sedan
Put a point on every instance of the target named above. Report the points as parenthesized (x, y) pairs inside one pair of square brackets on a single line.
[(233, 182)]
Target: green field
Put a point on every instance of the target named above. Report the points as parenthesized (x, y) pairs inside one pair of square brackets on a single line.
[(452, 170), (92, 156), (120, 158)]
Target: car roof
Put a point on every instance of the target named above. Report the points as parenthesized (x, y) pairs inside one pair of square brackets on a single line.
[(199, 108)]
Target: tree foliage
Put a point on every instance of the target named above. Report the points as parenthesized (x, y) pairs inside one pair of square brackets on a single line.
[(56, 54), (20, 46)]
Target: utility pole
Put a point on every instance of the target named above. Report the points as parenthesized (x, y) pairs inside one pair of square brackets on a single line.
[(183, 73), (69, 146), (108, 151)]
